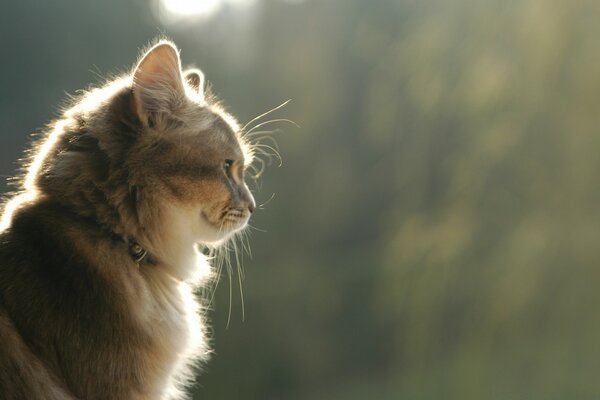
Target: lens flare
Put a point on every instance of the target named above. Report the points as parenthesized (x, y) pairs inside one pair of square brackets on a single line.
[(191, 8)]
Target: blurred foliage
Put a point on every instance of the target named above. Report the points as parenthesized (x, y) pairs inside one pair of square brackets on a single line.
[(434, 225)]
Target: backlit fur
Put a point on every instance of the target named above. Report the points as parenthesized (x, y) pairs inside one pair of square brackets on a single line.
[(147, 158)]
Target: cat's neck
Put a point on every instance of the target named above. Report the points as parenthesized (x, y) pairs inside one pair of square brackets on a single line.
[(173, 246), (168, 243)]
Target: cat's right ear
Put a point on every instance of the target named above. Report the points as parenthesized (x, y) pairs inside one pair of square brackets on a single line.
[(157, 83)]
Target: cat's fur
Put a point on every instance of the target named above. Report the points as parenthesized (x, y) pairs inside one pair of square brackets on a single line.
[(146, 163)]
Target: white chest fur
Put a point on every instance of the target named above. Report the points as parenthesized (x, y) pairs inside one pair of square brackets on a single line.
[(176, 328)]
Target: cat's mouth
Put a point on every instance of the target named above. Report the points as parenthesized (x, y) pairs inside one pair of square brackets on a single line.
[(229, 221), (235, 219)]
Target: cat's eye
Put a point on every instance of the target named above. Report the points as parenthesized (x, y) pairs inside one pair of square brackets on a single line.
[(227, 165)]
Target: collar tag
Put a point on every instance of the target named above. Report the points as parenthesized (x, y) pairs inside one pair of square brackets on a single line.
[(137, 252)]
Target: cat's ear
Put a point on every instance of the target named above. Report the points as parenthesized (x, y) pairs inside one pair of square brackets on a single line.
[(157, 82), (195, 78)]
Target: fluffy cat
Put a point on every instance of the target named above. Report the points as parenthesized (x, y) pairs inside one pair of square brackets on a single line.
[(98, 253)]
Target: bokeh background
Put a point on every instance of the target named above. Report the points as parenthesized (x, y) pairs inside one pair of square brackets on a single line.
[(434, 230)]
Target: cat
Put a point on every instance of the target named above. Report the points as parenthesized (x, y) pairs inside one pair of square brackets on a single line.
[(98, 253)]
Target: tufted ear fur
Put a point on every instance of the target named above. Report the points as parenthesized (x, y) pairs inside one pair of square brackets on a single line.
[(195, 78), (157, 83)]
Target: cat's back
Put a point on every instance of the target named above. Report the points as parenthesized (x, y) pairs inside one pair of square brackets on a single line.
[(23, 375)]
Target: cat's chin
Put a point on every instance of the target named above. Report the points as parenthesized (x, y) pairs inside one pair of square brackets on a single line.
[(208, 232), (191, 225)]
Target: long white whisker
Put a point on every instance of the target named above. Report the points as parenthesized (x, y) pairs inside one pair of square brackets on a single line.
[(229, 274), (271, 121), (240, 276), (256, 229), (247, 248), (260, 206), (266, 133), (258, 172), (218, 255), (260, 147), (270, 139), (266, 113)]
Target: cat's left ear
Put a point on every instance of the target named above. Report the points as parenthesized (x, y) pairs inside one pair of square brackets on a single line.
[(195, 78), (157, 82)]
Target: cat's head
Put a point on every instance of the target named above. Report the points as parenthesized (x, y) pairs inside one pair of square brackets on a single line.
[(189, 149), (149, 156)]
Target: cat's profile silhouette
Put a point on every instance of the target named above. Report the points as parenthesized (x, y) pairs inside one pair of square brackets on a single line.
[(98, 251)]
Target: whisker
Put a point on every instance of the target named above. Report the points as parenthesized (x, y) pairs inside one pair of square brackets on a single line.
[(256, 229), (260, 147), (260, 206), (239, 261), (270, 139), (241, 236), (271, 121), (266, 133), (266, 113), (230, 275), (258, 172), (247, 248), (219, 254)]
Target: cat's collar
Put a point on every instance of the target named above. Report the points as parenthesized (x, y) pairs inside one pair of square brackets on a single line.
[(139, 254)]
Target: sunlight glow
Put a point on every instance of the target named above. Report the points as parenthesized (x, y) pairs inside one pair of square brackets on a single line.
[(177, 10), (191, 8)]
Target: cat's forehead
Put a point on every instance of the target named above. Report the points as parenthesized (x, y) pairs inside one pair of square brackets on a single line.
[(217, 131)]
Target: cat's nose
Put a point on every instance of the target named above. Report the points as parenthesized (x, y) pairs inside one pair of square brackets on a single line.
[(246, 197)]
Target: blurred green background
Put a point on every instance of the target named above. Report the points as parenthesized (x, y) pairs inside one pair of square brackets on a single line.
[(435, 226)]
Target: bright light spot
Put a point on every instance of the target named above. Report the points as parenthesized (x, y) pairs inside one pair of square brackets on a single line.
[(172, 11), (191, 8)]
